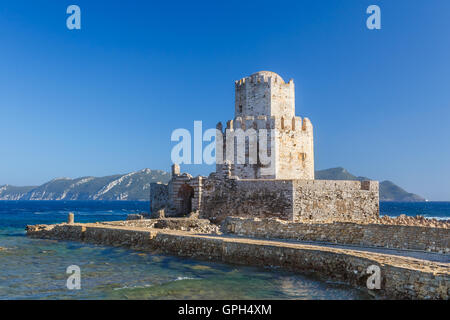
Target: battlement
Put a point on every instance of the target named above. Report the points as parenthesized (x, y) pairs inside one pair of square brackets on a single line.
[(294, 124), (266, 77), (265, 167), (264, 94)]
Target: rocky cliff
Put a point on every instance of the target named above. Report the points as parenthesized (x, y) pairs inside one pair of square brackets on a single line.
[(130, 186), (136, 186)]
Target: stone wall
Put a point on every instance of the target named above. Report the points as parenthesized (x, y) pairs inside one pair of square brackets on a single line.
[(375, 235), (223, 197), (244, 142), (181, 194), (330, 200), (295, 143), (159, 196), (178, 198), (267, 147), (183, 224), (401, 277), (293, 200)]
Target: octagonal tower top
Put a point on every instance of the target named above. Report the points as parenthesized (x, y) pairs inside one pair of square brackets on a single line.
[(264, 93)]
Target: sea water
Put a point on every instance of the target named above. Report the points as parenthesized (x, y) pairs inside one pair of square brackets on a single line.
[(36, 268)]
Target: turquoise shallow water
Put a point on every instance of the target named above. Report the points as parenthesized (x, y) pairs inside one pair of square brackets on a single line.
[(36, 269)]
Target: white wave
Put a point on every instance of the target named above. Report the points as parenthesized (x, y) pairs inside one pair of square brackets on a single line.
[(437, 218), (185, 278), (134, 287)]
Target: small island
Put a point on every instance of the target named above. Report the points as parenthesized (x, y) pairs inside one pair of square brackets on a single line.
[(278, 214)]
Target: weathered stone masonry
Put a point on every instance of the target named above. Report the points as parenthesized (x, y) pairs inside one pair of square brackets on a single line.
[(292, 200), (265, 103), (219, 196), (328, 200), (401, 277), (371, 235)]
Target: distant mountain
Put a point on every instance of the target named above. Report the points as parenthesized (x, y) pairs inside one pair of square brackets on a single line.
[(8, 192), (337, 174), (135, 186), (391, 192), (388, 190), (131, 186)]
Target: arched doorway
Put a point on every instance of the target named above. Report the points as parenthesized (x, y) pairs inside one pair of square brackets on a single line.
[(186, 193)]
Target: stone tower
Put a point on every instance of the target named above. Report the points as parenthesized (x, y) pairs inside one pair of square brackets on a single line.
[(265, 106), (264, 94)]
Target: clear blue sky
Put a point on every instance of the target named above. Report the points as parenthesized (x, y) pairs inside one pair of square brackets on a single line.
[(105, 99)]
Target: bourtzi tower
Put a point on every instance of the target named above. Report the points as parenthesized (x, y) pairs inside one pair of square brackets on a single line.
[(265, 167), (265, 108)]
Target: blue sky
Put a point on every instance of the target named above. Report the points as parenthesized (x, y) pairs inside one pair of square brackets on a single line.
[(105, 99)]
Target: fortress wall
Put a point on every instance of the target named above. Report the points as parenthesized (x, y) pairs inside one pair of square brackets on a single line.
[(159, 196), (292, 154), (248, 198), (283, 99), (295, 149), (401, 277), (376, 235), (222, 194), (236, 146), (330, 200), (177, 188), (295, 200), (172, 197)]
